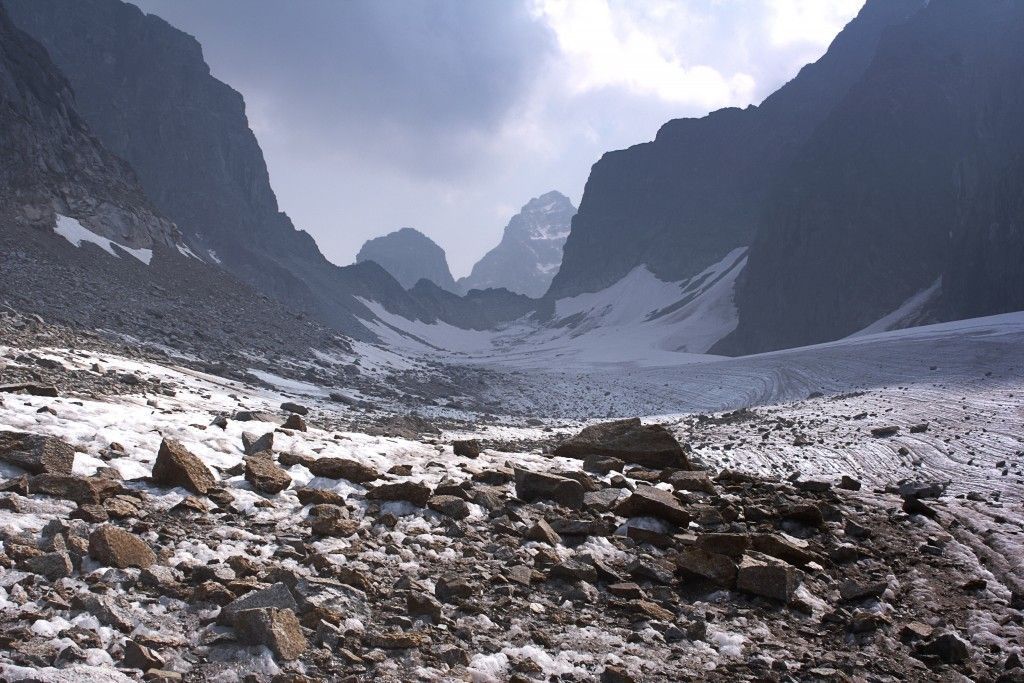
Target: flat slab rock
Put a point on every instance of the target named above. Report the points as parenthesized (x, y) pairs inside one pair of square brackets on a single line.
[(37, 454)]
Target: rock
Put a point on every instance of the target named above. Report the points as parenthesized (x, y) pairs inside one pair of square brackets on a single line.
[(331, 520), (574, 570), (415, 492), (627, 590), (602, 464), (112, 546), (53, 566), (309, 496), (140, 657), (768, 577), (543, 533), (708, 565), (648, 501), (452, 506), (792, 551), (813, 486), (919, 428), (395, 641), (691, 480), (82, 490), (851, 590), (630, 441), (469, 448), (915, 630), (603, 500), (265, 475), (732, 545), (37, 454), (616, 674), (854, 530), (277, 596), (882, 432), (30, 389), (451, 589), (295, 423), (650, 610), (422, 605), (849, 483), (948, 647), (920, 489), (295, 408), (916, 506), (342, 468), (808, 514), (176, 466), (531, 486), (404, 426), (253, 443), (278, 629)]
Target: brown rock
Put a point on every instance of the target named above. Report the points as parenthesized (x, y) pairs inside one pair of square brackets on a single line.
[(648, 501), (630, 441), (543, 533), (265, 475), (176, 466), (37, 454), (82, 490), (707, 565), (257, 443), (114, 547), (531, 486), (452, 506), (310, 496), (342, 468), (768, 577), (469, 448), (278, 629), (415, 492), (295, 422)]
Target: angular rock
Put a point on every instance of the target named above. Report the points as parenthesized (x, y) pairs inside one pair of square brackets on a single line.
[(543, 533), (691, 480), (947, 647), (310, 496), (176, 466), (277, 596), (602, 464), (733, 545), (37, 454), (112, 546), (531, 486), (278, 629), (793, 551), (257, 443), (290, 407), (468, 448), (452, 506), (82, 490), (265, 475), (342, 468), (53, 566), (295, 422), (415, 492), (630, 441), (768, 577), (712, 566), (649, 501)]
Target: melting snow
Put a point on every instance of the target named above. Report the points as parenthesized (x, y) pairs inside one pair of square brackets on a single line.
[(76, 233)]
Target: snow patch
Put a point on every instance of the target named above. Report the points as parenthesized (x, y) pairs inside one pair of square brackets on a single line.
[(76, 233)]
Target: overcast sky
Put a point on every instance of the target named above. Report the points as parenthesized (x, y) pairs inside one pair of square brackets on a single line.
[(449, 115)]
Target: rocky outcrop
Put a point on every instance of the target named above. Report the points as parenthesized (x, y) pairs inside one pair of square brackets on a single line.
[(530, 251), (913, 179), (51, 164), (682, 202), (410, 256)]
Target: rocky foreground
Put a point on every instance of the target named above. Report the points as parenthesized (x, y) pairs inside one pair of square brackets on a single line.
[(176, 526)]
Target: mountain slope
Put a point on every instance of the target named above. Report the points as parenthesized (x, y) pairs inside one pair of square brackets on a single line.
[(682, 202), (410, 256), (914, 177), (530, 251)]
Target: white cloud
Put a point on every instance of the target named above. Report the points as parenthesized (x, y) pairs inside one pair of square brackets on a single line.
[(809, 21), (634, 47)]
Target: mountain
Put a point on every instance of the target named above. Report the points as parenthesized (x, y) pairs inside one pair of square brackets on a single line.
[(530, 251), (684, 201), (908, 196), (51, 164), (410, 256)]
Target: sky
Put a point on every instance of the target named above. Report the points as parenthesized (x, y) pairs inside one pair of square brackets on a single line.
[(449, 115)]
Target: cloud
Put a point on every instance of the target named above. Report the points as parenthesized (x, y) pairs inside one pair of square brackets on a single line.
[(812, 22)]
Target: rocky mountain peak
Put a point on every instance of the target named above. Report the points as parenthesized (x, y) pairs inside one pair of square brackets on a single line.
[(409, 256)]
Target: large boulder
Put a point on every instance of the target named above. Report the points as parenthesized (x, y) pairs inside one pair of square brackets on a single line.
[(176, 466), (112, 546), (531, 486), (37, 454), (628, 440)]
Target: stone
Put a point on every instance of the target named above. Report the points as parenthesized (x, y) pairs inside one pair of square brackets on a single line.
[(265, 475), (295, 408), (648, 501), (310, 496), (543, 533), (695, 481), (36, 454), (630, 441), (468, 448), (112, 546), (276, 595), (278, 629), (295, 422), (733, 545), (422, 605), (650, 610), (807, 514), (176, 466), (137, 656), (851, 590), (616, 674), (531, 486), (331, 520), (849, 483), (257, 443), (768, 577), (882, 432), (452, 506), (451, 589), (342, 468), (948, 647), (53, 566), (793, 551), (415, 492), (708, 565), (574, 570), (603, 500), (602, 464), (82, 490)]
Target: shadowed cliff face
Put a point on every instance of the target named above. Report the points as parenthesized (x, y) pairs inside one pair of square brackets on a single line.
[(410, 256), (530, 251), (915, 175), (682, 202), (49, 161)]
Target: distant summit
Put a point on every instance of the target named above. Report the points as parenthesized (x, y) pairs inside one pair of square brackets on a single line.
[(530, 251), (410, 256)]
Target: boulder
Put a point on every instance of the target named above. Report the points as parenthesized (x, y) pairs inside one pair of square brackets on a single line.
[(415, 492), (112, 546), (630, 441), (256, 443), (712, 566), (543, 533), (276, 595), (295, 422), (531, 486), (265, 475), (290, 407), (469, 448), (82, 490), (768, 577), (278, 629), (342, 468), (37, 454), (176, 466), (648, 501), (452, 506), (695, 481)]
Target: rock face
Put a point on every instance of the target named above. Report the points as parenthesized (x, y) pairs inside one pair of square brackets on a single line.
[(37, 454), (682, 202), (410, 256), (176, 466), (629, 441), (913, 181), (530, 251), (51, 164)]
